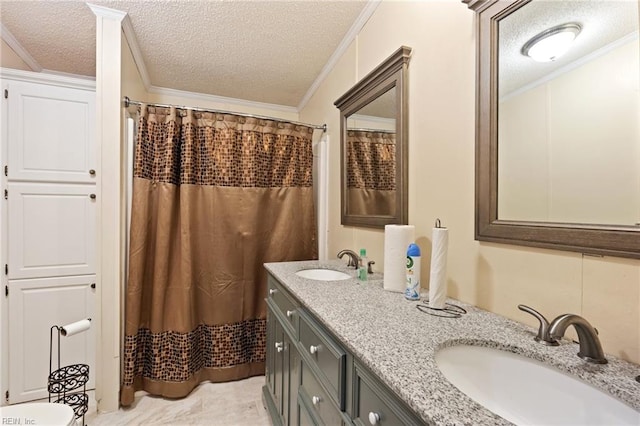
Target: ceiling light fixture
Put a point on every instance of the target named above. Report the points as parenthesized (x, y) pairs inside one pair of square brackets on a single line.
[(552, 43)]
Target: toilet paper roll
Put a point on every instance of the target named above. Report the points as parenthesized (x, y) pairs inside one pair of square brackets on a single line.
[(396, 240), (438, 276), (75, 327)]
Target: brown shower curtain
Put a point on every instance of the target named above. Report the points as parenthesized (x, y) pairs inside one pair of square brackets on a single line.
[(371, 176), (214, 197)]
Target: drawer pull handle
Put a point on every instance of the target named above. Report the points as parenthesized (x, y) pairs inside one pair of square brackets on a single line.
[(316, 400), (290, 314), (273, 291), (314, 349), (374, 418), (279, 346)]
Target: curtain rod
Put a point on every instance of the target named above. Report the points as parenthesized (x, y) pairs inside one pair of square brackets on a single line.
[(371, 130), (128, 102)]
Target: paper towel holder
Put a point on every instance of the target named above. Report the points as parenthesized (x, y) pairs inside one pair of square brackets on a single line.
[(439, 224)]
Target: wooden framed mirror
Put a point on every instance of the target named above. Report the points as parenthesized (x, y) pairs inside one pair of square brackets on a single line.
[(374, 146), (558, 152)]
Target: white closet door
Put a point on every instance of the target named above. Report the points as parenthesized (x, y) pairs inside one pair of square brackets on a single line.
[(34, 306), (51, 133), (52, 230)]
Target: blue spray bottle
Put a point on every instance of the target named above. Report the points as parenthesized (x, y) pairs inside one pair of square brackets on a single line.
[(412, 291)]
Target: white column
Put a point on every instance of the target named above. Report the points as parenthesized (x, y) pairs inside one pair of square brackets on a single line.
[(111, 208)]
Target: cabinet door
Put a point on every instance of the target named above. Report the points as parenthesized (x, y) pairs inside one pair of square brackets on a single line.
[(305, 418), (270, 361), (294, 364), (51, 230), (51, 133), (35, 306), (278, 369)]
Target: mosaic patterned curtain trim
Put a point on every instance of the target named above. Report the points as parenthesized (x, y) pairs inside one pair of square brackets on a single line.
[(175, 357), (221, 150), (371, 158)]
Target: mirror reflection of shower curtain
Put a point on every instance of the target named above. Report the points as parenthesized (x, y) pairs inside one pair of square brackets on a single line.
[(214, 197), (321, 193), (371, 172)]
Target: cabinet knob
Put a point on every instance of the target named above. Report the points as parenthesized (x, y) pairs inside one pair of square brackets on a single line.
[(273, 291), (313, 349), (92, 196), (374, 418), (92, 172), (316, 400), (290, 314)]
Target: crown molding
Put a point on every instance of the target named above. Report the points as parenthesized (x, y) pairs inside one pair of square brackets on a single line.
[(105, 12), (136, 52), (353, 32), (373, 119), (222, 99), (14, 44), (48, 77)]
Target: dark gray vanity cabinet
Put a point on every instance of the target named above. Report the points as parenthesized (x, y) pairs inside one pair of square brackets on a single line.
[(312, 379)]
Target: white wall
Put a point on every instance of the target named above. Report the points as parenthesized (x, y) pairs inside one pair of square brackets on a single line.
[(495, 277)]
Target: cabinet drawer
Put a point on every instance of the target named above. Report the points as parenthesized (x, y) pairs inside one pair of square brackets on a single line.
[(284, 305), (328, 358), (317, 400), (376, 405)]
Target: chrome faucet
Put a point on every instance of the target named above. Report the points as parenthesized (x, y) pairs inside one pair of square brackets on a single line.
[(354, 259), (590, 347), (543, 331)]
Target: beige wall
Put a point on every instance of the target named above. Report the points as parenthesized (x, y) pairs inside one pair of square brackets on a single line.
[(131, 84), (495, 277), (9, 58)]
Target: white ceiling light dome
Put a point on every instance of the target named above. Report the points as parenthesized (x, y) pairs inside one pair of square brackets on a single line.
[(552, 43)]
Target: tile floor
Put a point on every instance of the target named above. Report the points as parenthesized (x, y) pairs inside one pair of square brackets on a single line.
[(218, 404)]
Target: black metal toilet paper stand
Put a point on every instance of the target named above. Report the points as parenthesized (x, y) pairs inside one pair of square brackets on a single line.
[(68, 385)]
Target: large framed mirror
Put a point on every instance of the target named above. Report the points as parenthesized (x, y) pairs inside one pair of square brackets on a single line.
[(373, 141), (558, 136)]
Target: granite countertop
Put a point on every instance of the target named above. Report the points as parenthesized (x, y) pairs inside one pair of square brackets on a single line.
[(398, 342)]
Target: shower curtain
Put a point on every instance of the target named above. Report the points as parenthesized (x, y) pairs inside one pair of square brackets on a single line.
[(371, 172), (214, 197)]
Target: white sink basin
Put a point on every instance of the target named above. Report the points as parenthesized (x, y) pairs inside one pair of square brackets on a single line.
[(527, 392), (323, 274)]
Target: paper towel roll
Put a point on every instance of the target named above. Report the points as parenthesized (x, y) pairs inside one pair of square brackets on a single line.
[(396, 240), (438, 276), (75, 327)]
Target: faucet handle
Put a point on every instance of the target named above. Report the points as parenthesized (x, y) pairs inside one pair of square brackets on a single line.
[(543, 331)]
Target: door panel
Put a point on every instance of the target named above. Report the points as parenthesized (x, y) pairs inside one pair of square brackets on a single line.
[(35, 306), (51, 133), (51, 230)]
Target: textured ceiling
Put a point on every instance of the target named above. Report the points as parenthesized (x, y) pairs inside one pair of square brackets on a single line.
[(603, 22), (266, 51), (59, 35)]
